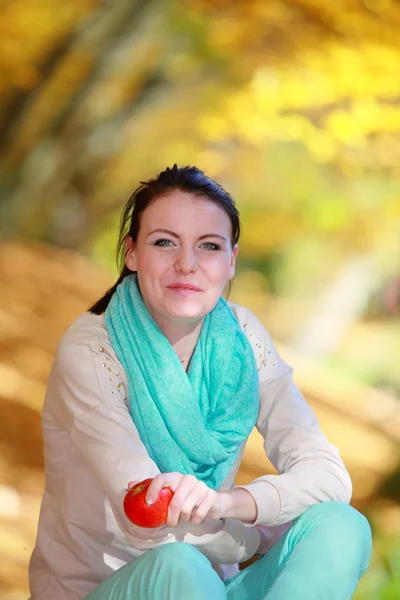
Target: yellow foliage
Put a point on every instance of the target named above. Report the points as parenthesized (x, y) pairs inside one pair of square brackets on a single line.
[(28, 28)]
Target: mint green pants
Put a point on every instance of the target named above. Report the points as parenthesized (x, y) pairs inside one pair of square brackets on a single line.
[(321, 557)]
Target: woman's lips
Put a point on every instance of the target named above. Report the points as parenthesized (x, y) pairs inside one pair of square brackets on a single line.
[(183, 291)]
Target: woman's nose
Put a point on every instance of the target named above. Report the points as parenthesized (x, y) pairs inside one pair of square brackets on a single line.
[(186, 261)]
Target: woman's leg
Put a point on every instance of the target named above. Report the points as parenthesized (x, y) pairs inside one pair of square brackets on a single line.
[(174, 571), (321, 557)]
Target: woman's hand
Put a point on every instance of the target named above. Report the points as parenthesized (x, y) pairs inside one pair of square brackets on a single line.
[(192, 501)]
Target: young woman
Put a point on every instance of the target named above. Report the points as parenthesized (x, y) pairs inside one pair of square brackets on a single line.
[(162, 378)]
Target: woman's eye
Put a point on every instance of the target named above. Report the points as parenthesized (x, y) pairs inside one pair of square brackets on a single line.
[(214, 246), (158, 242)]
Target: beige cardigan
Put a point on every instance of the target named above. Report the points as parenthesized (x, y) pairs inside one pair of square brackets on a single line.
[(92, 449)]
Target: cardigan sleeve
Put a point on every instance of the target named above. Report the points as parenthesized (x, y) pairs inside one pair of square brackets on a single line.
[(89, 400), (310, 468)]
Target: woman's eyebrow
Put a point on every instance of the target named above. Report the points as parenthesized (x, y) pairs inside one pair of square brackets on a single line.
[(200, 238)]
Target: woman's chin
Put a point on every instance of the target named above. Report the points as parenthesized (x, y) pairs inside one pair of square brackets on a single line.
[(189, 311), (186, 314)]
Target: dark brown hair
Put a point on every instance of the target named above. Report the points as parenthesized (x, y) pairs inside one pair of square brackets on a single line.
[(187, 179)]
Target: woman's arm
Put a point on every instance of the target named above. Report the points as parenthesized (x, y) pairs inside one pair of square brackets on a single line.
[(310, 468), (87, 397)]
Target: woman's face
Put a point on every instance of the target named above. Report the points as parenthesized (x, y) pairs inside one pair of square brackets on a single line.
[(195, 250)]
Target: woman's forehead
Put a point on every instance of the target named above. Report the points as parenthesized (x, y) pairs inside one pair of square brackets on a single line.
[(181, 207)]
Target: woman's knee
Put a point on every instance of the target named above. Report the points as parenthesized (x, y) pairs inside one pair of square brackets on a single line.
[(344, 528), (186, 570), (178, 553), (339, 517), (170, 571), (180, 556)]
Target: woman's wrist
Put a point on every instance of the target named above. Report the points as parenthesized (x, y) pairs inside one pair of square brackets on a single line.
[(238, 503)]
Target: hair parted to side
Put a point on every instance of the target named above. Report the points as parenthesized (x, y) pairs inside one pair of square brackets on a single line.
[(187, 179)]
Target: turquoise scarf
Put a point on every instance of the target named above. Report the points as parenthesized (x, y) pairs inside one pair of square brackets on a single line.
[(194, 422)]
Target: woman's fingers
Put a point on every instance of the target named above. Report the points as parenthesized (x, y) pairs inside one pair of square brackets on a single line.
[(202, 510), (170, 480), (192, 503), (188, 485)]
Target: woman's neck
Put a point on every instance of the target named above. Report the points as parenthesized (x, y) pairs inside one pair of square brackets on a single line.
[(183, 339)]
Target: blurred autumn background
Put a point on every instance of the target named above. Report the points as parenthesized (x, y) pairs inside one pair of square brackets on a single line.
[(293, 106)]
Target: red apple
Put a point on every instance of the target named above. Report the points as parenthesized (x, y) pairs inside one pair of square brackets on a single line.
[(147, 515)]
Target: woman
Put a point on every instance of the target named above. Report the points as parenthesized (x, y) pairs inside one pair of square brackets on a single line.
[(164, 379)]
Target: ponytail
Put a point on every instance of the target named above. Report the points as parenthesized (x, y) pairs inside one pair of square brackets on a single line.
[(100, 306)]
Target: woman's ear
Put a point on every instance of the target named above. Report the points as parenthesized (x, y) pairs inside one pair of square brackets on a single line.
[(130, 258), (235, 251)]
